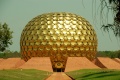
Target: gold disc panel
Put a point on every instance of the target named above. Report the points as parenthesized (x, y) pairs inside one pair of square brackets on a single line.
[(58, 36)]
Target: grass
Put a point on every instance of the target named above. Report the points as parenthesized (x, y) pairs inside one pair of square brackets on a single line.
[(25, 74), (84, 74), (95, 74)]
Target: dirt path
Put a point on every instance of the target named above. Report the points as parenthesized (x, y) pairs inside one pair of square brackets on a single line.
[(59, 76)]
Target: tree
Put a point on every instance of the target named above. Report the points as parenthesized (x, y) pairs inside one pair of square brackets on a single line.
[(118, 54), (114, 6), (5, 36)]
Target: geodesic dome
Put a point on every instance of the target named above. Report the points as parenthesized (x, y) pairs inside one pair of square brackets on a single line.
[(58, 35)]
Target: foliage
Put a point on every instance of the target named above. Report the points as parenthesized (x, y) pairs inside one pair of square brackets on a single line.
[(118, 54), (5, 36), (114, 6), (111, 54), (24, 74), (10, 54), (95, 74)]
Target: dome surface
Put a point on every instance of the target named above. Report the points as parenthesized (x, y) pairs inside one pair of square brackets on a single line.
[(58, 35)]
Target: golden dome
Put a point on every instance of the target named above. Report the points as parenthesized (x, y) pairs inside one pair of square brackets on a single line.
[(58, 36)]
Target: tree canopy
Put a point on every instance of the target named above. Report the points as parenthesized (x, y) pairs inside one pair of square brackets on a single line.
[(5, 36), (114, 6)]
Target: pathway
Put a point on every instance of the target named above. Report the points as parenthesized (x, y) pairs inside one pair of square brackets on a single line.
[(59, 76)]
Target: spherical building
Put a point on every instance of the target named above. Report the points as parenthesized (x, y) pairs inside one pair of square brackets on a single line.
[(58, 36)]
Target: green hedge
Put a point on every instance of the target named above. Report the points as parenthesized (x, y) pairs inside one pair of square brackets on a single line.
[(9, 55)]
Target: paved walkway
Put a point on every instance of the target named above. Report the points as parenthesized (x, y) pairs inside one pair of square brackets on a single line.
[(59, 76)]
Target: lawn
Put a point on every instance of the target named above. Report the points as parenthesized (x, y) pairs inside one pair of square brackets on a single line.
[(85, 74), (25, 74), (95, 74)]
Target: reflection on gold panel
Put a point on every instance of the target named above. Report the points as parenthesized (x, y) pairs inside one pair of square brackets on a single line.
[(40, 37), (69, 48), (76, 37), (58, 43), (54, 48), (82, 48), (73, 43), (78, 32), (27, 43), (47, 37), (76, 48), (50, 43), (84, 32), (37, 43), (32, 43), (61, 37), (82, 37), (44, 43), (35, 37), (62, 48), (72, 32), (66, 43), (44, 32), (79, 43)]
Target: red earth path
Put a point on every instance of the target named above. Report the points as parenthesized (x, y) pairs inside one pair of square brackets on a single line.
[(59, 76)]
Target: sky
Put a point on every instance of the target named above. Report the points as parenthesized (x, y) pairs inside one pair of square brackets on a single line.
[(17, 13)]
